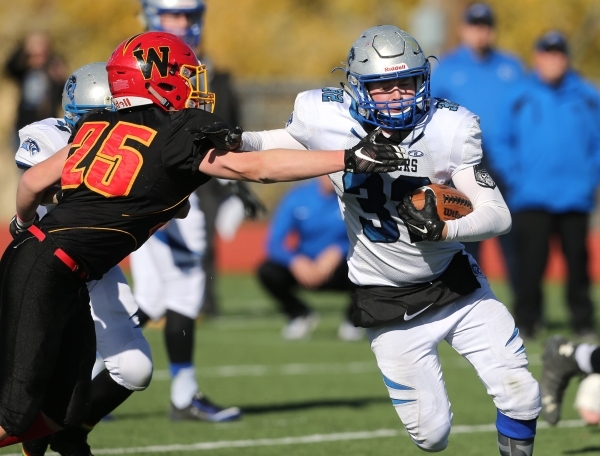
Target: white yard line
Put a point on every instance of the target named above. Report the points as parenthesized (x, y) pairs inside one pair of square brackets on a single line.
[(263, 370), (303, 440)]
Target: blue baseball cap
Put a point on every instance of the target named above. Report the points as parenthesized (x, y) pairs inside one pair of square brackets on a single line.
[(552, 41), (479, 13)]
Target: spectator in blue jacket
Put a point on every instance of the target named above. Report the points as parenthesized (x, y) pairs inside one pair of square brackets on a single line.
[(478, 76), (550, 157), (311, 214)]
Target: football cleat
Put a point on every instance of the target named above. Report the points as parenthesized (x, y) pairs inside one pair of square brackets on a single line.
[(36, 447), (558, 367), (300, 327), (70, 442), (202, 409)]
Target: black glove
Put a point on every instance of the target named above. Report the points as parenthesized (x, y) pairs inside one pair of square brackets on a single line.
[(424, 223), (222, 136), (368, 157), (252, 205), (17, 226)]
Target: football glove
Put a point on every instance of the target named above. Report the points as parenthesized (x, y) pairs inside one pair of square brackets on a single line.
[(253, 207), (369, 157), (17, 226), (424, 223), (222, 136)]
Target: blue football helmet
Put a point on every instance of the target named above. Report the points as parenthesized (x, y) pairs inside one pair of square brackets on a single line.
[(193, 9), (85, 90), (385, 53)]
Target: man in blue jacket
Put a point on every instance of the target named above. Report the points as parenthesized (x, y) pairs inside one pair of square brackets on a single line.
[(549, 155), (311, 214), (477, 76)]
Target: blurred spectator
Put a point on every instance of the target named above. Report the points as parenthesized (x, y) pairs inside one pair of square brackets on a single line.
[(41, 75), (185, 18), (311, 213), (478, 76), (550, 158)]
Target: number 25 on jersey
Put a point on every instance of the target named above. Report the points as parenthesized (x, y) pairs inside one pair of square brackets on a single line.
[(114, 167)]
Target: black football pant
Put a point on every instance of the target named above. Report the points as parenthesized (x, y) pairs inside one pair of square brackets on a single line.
[(281, 284), (47, 338), (533, 230)]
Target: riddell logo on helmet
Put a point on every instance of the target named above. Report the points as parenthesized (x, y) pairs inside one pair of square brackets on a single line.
[(122, 103), (402, 66)]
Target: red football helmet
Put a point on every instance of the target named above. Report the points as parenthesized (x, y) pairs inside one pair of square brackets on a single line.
[(159, 68)]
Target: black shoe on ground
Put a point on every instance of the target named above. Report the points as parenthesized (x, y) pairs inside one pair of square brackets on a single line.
[(202, 409), (36, 447), (70, 442), (558, 367)]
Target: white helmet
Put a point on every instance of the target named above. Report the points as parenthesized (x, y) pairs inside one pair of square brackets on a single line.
[(85, 90), (382, 53), (193, 9)]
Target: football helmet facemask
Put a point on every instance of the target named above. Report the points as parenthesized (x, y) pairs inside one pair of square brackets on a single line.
[(385, 53), (193, 10), (158, 68), (85, 90)]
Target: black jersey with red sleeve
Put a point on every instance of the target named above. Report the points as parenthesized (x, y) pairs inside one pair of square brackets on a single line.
[(127, 174)]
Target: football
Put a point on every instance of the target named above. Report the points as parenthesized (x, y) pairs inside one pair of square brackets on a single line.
[(451, 203)]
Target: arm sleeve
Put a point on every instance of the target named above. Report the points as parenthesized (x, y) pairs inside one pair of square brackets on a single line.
[(467, 143), (282, 224), (490, 216), (269, 139)]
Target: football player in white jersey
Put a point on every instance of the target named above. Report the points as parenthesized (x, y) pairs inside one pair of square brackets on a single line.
[(415, 284), (169, 280), (119, 338), (168, 271)]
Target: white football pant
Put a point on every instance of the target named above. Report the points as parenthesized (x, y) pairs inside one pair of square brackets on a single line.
[(167, 269), (481, 329), (119, 338)]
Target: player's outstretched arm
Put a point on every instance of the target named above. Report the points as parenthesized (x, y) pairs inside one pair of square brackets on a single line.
[(36, 180), (274, 165), (281, 165)]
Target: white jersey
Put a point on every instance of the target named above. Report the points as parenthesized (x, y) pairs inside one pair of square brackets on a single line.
[(40, 140), (382, 250)]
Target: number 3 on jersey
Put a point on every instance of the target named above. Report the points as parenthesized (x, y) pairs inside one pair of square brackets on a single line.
[(115, 166), (373, 200)]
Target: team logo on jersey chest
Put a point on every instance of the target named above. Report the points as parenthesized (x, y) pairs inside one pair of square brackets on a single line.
[(415, 153), (30, 146)]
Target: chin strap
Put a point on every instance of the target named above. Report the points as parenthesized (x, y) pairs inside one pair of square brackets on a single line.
[(163, 101)]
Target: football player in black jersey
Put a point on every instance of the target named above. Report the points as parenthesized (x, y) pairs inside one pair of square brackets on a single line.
[(124, 175)]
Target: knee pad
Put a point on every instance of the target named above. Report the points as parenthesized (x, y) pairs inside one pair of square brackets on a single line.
[(520, 398), (132, 366), (435, 439), (428, 429)]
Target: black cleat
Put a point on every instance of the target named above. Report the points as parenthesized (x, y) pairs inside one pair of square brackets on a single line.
[(36, 447), (202, 409), (558, 367), (70, 442)]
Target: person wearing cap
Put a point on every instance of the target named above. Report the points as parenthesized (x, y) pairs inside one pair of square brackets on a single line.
[(550, 155), (477, 76)]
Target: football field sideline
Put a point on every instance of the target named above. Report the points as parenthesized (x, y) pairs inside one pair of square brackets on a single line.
[(305, 439)]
